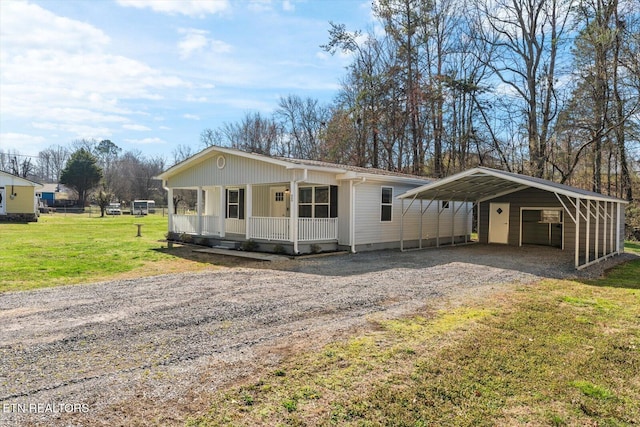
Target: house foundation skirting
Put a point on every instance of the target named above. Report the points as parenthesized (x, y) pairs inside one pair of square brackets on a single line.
[(19, 217)]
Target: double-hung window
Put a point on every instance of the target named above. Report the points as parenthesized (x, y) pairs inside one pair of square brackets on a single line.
[(317, 202), (235, 203), (386, 203)]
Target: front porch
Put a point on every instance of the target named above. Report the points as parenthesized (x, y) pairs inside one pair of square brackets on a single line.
[(275, 214)]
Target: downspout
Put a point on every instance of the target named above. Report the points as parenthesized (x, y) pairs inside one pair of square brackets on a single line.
[(294, 209), (352, 220)]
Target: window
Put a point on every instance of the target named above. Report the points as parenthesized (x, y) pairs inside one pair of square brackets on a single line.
[(445, 204), (279, 196), (233, 203), (386, 203), (550, 216), (317, 202)]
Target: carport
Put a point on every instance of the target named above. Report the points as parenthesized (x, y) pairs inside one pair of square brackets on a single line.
[(515, 210)]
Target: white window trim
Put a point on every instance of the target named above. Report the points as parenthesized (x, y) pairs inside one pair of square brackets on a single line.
[(386, 204)]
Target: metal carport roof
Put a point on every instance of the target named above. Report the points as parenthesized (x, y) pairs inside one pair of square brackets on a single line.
[(481, 184)]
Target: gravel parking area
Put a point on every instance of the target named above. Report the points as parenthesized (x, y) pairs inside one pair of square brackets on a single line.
[(120, 352)]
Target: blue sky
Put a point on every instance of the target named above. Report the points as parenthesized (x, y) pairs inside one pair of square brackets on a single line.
[(152, 74)]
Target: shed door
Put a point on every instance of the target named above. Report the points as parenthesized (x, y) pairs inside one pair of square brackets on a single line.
[(499, 223), (2, 201)]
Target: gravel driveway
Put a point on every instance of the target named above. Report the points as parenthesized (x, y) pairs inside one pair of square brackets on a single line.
[(115, 353)]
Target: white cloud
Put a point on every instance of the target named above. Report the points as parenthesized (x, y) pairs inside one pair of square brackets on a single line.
[(260, 6), (191, 117), (28, 26), (21, 141), (145, 141), (136, 127), (288, 6), (192, 8), (197, 41), (59, 74)]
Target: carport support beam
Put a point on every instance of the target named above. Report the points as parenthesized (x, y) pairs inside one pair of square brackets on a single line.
[(577, 248)]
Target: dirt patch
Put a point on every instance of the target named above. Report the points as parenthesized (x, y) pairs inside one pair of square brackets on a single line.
[(150, 350)]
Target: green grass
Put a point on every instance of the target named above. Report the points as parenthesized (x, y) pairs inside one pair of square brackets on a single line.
[(558, 352), (67, 249)]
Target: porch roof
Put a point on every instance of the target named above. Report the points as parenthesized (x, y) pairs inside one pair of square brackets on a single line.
[(343, 172)]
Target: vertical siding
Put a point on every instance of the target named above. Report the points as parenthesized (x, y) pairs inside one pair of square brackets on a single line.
[(370, 229), (543, 199)]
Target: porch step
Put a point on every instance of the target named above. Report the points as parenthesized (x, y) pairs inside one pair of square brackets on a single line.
[(227, 244)]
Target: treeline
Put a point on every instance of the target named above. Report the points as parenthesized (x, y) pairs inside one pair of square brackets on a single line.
[(122, 176), (549, 88)]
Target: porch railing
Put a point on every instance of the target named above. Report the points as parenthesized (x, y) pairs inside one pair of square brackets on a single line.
[(184, 223), (317, 229), (210, 225), (269, 228), (189, 224), (263, 228)]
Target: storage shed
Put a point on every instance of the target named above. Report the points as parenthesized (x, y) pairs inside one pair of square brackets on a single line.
[(18, 201), (515, 209)]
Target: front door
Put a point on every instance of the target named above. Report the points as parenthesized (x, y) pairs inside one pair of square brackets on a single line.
[(2, 201), (278, 202), (499, 223)]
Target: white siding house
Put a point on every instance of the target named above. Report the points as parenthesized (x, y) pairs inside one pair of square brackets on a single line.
[(301, 206)]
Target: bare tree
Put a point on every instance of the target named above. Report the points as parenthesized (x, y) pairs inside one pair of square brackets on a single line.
[(525, 37)]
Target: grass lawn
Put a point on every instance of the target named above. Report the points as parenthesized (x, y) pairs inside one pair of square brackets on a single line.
[(78, 248), (559, 353)]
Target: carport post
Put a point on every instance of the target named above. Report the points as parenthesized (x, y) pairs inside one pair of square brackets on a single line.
[(420, 227), (588, 232), (604, 228), (618, 227), (611, 234), (577, 251), (597, 228), (438, 204), (402, 225)]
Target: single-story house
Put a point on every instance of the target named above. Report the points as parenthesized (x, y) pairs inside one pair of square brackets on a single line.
[(56, 195), (18, 201), (302, 206), (516, 209)]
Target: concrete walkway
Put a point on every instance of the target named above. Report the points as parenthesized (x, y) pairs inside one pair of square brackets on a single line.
[(243, 254)]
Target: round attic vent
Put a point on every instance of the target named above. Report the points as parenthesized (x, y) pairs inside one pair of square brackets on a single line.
[(221, 161)]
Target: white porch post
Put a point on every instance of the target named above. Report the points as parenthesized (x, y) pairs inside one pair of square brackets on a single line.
[(293, 220), (170, 207), (223, 210), (199, 210), (248, 209)]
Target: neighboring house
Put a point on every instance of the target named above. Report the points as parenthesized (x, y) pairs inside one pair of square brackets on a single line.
[(56, 195), (18, 201), (302, 206), (518, 210)]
